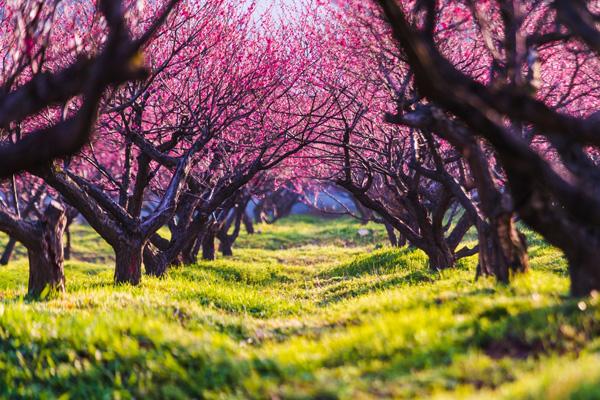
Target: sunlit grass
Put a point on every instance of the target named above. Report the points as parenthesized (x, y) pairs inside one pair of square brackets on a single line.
[(305, 309)]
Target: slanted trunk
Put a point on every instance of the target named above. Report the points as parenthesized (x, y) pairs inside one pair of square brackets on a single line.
[(128, 263), (8, 251), (157, 261), (154, 264), (208, 246), (154, 257), (502, 249), (46, 259)]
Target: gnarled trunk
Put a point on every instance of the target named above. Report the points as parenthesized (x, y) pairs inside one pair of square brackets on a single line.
[(46, 259), (128, 263), (502, 249)]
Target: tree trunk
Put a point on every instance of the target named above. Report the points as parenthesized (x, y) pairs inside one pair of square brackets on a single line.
[(68, 243), (190, 249), (195, 250), (366, 214), (154, 264), (584, 271), (158, 259), (8, 250), (189, 253), (440, 257), (46, 261), (248, 224), (208, 246), (502, 249), (225, 245), (391, 235), (154, 256), (401, 239), (128, 263)]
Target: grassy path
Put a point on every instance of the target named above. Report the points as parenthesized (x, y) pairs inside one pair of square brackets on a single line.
[(305, 309)]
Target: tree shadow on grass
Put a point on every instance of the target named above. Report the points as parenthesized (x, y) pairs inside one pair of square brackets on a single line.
[(383, 269), (496, 333), (157, 370), (343, 290), (379, 262), (264, 277)]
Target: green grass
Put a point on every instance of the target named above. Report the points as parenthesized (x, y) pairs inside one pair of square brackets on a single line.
[(305, 309)]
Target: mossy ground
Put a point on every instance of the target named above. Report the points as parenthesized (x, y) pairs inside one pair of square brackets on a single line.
[(305, 309)]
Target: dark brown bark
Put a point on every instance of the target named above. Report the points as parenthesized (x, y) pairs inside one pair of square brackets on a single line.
[(154, 256), (46, 258), (128, 263), (232, 217), (186, 239), (441, 251), (154, 264), (502, 249), (440, 257)]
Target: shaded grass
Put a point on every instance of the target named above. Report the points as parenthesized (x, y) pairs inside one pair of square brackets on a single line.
[(331, 315)]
